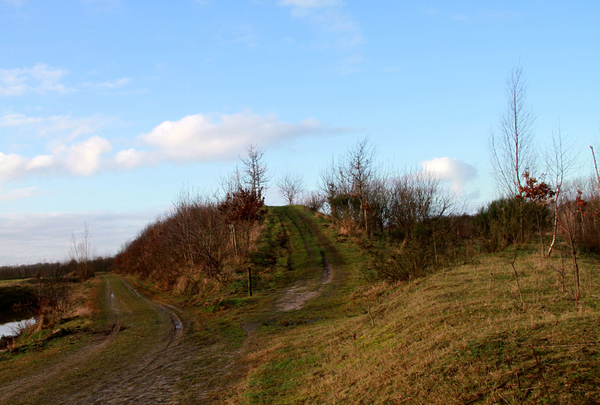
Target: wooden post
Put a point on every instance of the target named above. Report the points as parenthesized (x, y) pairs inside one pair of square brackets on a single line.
[(250, 280)]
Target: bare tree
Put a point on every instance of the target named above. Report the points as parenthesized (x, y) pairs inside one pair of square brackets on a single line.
[(200, 236), (290, 186), (255, 170), (511, 148), (596, 168), (313, 200), (232, 181), (415, 199), (81, 252), (360, 163), (348, 188), (561, 161), (330, 186), (416, 218)]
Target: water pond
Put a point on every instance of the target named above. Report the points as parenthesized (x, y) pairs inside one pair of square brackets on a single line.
[(10, 328)]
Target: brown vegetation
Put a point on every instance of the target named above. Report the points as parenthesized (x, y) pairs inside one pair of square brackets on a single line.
[(203, 241)]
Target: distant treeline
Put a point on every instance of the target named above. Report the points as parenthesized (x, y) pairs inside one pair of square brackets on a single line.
[(99, 264)]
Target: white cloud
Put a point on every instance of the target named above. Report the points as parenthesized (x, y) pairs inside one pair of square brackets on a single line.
[(83, 159), (222, 136), (18, 120), (110, 84), (129, 158), (11, 166), (457, 172), (19, 193), (39, 79), (199, 137), (40, 162)]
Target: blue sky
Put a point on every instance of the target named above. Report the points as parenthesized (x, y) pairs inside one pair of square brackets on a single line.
[(109, 107)]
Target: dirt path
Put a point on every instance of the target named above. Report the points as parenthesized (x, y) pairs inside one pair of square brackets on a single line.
[(150, 352), (295, 296), (140, 361), (151, 377)]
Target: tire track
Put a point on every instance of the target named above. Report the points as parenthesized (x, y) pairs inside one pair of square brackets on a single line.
[(301, 291), (20, 389), (151, 379)]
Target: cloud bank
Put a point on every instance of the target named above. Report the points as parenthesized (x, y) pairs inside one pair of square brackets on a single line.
[(193, 138), (31, 238), (222, 136), (81, 159), (19, 193), (212, 137)]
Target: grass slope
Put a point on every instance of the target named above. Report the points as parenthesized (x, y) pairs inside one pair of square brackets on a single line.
[(457, 336)]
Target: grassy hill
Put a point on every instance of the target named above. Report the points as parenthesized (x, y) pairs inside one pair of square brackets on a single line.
[(459, 335)]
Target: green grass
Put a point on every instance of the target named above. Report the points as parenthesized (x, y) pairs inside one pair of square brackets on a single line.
[(456, 336)]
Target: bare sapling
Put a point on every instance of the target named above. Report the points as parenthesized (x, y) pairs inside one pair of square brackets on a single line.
[(512, 146), (561, 161), (81, 252), (290, 187)]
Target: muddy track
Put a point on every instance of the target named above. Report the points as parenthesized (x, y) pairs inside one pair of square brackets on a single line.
[(150, 375), (151, 378)]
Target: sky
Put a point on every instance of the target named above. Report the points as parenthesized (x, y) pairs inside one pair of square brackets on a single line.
[(109, 108)]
